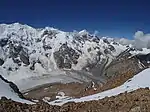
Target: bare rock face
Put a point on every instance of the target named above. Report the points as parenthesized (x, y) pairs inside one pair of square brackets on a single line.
[(24, 57), (111, 48), (14, 50), (15, 88), (145, 59), (1, 62), (3, 42), (121, 67), (66, 56), (123, 63)]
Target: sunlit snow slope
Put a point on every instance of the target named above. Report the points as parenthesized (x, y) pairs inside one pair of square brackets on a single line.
[(8, 92)]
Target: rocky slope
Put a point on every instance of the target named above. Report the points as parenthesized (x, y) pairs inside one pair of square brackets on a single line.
[(136, 101)]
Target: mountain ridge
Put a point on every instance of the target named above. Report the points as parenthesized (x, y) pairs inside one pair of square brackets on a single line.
[(34, 55)]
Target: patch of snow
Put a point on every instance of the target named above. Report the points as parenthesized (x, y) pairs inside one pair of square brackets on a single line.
[(26, 93), (61, 95), (35, 100), (45, 88), (46, 99)]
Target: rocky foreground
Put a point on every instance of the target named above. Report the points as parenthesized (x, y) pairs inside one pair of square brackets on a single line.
[(136, 101)]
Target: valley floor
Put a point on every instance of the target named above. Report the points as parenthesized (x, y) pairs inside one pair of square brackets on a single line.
[(75, 89)]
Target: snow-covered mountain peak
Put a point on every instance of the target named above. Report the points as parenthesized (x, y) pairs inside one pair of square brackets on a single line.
[(48, 41), (34, 52), (83, 32)]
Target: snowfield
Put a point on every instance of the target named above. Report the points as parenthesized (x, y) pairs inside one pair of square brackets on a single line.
[(140, 80), (8, 92)]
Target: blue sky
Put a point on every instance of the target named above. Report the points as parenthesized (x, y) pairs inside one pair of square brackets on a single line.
[(116, 18)]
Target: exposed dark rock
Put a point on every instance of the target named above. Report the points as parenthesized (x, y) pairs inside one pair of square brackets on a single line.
[(15, 88), (111, 48), (115, 43), (59, 59), (1, 62), (75, 61), (16, 68), (24, 57), (47, 54), (67, 65), (99, 53), (121, 66), (106, 51), (106, 41), (45, 32), (14, 50), (3, 42), (17, 61), (96, 39), (47, 47), (66, 56), (18, 48), (33, 66), (38, 40), (3, 98), (144, 58), (89, 49), (10, 69)]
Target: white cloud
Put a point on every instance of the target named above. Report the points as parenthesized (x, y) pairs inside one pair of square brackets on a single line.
[(141, 40), (125, 41)]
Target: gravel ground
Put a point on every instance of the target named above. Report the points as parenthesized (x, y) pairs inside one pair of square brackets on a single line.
[(136, 101)]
